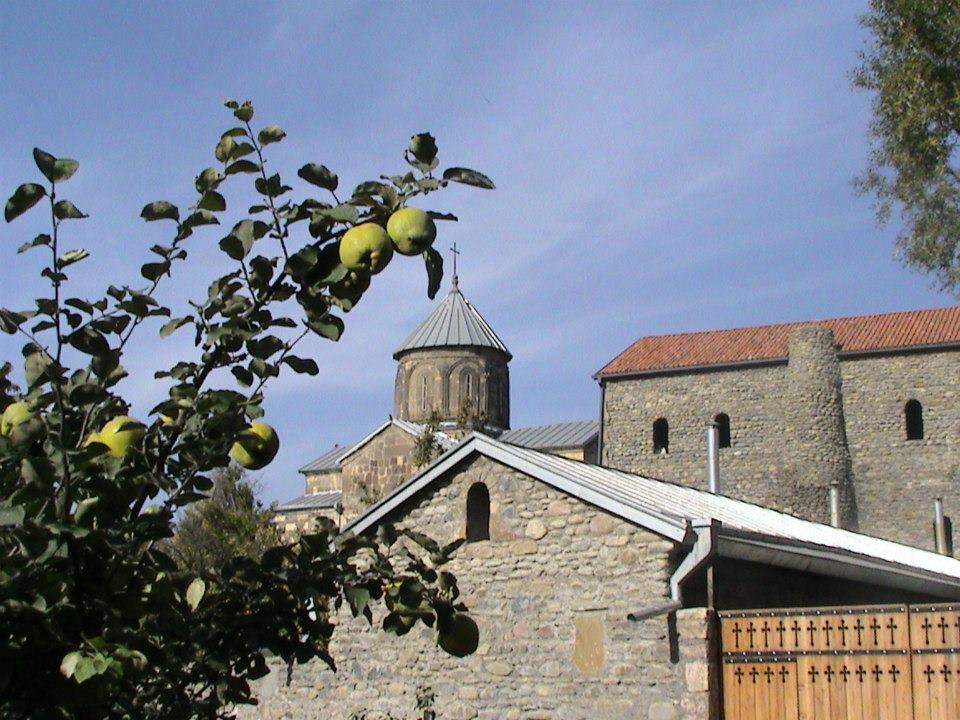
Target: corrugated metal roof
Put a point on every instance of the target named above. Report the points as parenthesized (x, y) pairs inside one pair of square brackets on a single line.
[(857, 334), (453, 323), (560, 435), (315, 501), (327, 462), (670, 509)]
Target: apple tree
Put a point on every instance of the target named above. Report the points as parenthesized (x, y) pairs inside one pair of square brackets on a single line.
[(97, 619)]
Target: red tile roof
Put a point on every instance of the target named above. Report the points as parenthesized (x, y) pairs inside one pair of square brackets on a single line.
[(862, 333)]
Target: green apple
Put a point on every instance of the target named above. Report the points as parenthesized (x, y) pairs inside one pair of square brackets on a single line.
[(119, 435), (257, 447), (411, 230), (459, 636), (366, 248), (15, 414)]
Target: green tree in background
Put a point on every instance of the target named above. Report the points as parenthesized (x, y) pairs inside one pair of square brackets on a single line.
[(912, 67), (97, 618), (230, 523)]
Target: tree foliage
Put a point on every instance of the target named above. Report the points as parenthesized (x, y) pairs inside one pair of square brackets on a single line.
[(913, 70), (230, 523), (97, 619)]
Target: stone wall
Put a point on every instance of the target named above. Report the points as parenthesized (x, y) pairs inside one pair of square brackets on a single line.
[(321, 481), (444, 373), (551, 591), (894, 480), (376, 468), (294, 523)]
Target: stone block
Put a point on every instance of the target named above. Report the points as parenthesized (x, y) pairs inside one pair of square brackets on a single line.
[(697, 675), (535, 529), (662, 710), (499, 668), (524, 547)]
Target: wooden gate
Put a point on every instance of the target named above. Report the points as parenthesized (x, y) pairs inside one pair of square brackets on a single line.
[(890, 662)]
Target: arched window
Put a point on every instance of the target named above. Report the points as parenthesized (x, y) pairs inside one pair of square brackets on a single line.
[(478, 513), (723, 426), (661, 436), (913, 414), (468, 387), (423, 393)]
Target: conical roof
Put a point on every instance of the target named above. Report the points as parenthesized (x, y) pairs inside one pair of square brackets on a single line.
[(453, 323)]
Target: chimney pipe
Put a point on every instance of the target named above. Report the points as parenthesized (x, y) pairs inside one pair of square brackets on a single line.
[(835, 504), (939, 527), (713, 456)]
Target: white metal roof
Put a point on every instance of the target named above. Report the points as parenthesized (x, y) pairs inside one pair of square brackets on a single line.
[(453, 323), (559, 435), (747, 531), (313, 501)]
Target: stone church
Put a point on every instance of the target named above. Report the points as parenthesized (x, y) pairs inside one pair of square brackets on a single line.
[(604, 592)]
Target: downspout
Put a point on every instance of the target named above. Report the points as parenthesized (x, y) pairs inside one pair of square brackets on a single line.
[(703, 550), (603, 397)]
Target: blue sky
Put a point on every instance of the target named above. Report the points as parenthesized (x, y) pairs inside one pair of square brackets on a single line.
[(660, 167)]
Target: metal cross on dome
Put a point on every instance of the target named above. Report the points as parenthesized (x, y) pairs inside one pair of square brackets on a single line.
[(455, 253)]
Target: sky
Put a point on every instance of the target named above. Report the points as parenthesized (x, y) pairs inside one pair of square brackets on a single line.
[(660, 168)]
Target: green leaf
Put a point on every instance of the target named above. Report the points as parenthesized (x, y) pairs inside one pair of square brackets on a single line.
[(208, 180), (241, 166), (195, 593), (153, 271), (302, 365), (271, 134), (84, 669), (170, 327), (73, 256), (89, 341), (434, 263), (330, 327), (243, 376), (69, 663), (39, 240), (160, 210), (272, 186), (423, 147), (264, 347), (213, 201), (319, 175), (442, 216), (302, 262), (241, 150), (468, 177), (201, 217), (54, 169), (66, 210), (344, 213), (224, 149), (12, 515), (370, 187), (23, 198), (358, 597), (244, 113)]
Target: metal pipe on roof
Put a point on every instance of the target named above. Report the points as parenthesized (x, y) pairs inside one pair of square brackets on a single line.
[(703, 550), (835, 504), (939, 527), (713, 456)]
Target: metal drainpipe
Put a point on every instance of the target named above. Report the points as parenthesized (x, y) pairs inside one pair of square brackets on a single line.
[(939, 526), (703, 550), (603, 397), (835, 504), (713, 456)]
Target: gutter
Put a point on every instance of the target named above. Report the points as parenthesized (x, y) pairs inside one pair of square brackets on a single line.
[(703, 550)]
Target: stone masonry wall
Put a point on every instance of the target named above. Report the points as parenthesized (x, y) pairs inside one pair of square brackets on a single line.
[(894, 480), (295, 523), (550, 591), (375, 469)]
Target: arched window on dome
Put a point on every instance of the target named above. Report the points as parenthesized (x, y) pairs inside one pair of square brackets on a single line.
[(661, 436), (723, 426), (478, 513), (423, 393), (468, 387), (913, 415)]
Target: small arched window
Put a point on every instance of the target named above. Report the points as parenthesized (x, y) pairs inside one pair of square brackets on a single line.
[(478, 513), (661, 436), (423, 393), (468, 387), (723, 426), (913, 414)]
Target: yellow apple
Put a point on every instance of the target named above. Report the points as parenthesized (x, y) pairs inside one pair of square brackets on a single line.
[(411, 230), (366, 248), (15, 414), (119, 435), (257, 447)]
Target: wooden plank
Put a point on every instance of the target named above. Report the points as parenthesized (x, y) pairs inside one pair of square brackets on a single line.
[(923, 674), (806, 688), (903, 686), (731, 693), (791, 705)]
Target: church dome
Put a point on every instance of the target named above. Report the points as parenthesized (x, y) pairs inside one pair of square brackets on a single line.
[(453, 323), (453, 366)]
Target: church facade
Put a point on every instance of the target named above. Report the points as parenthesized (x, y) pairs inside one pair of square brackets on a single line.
[(596, 586), (868, 404)]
